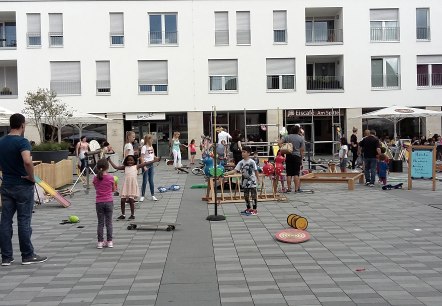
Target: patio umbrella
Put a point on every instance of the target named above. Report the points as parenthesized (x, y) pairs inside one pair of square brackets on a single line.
[(81, 120), (397, 113)]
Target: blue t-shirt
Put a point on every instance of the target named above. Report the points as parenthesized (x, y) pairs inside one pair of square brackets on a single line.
[(11, 161)]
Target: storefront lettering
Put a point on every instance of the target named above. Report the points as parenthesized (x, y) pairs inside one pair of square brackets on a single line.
[(145, 116), (313, 112)]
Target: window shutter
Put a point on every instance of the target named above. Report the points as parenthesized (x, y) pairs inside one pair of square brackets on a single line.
[(34, 23), (221, 28), (116, 23), (56, 23), (153, 72), (384, 14), (65, 71), (429, 59), (103, 71), (223, 67), (243, 27), (279, 20), (280, 66)]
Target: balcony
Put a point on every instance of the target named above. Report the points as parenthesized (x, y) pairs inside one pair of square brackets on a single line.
[(323, 36), (386, 34), (429, 80), (66, 87), (8, 80), (163, 38), (8, 33), (423, 33), (325, 83)]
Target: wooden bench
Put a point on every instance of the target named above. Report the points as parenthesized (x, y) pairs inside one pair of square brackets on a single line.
[(345, 177)]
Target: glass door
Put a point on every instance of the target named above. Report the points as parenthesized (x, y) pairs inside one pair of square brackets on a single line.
[(163, 134)]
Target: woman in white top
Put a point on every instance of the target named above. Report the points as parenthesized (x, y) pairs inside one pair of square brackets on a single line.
[(148, 154), (343, 155), (128, 148)]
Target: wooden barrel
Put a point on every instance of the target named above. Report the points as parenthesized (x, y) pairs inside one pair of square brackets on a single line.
[(296, 221)]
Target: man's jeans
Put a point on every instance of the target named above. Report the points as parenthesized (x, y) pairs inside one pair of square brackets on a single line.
[(370, 170), (18, 199), (148, 176)]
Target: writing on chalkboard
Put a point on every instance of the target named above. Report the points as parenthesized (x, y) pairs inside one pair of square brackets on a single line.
[(421, 164)]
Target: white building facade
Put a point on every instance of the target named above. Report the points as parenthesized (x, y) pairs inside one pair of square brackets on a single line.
[(160, 66)]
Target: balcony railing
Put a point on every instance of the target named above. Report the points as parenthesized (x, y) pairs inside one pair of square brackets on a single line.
[(221, 38), (56, 39), (9, 91), (8, 42), (66, 87), (423, 33), (384, 34), (379, 81), (325, 83), (103, 87), (33, 39), (429, 80), (163, 38), (314, 36), (280, 36), (116, 39)]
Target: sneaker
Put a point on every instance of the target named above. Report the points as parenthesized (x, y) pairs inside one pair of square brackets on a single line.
[(154, 198), (122, 217), (131, 217), (110, 244), (141, 199), (367, 184), (100, 244), (34, 259), (7, 262), (371, 185), (253, 212), (116, 193), (247, 211)]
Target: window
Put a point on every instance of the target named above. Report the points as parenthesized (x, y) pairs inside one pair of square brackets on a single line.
[(322, 30), (8, 80), (221, 28), (163, 29), (280, 74), (66, 78), (384, 25), (385, 72), (280, 26), (429, 71), (55, 30), (152, 77), (103, 78), (423, 24), (243, 28), (223, 75), (34, 30), (8, 37), (116, 29)]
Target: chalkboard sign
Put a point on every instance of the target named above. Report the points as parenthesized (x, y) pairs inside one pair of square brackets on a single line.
[(422, 164)]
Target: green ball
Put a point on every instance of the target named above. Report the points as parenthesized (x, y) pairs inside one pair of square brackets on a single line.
[(219, 171), (74, 219), (115, 179)]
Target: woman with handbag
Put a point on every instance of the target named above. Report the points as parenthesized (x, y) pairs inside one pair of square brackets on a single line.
[(293, 146)]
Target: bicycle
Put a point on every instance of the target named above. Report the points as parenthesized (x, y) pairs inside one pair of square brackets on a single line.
[(199, 170)]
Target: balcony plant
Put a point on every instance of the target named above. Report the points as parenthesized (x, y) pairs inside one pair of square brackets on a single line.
[(5, 91)]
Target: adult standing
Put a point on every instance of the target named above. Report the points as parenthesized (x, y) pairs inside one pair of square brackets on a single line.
[(372, 148), (236, 147), (223, 135), (354, 147), (17, 192), (294, 160), (176, 150), (80, 151), (147, 155)]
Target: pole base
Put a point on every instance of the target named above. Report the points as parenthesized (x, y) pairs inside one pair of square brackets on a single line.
[(216, 218)]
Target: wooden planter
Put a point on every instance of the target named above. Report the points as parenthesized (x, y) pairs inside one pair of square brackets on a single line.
[(55, 174)]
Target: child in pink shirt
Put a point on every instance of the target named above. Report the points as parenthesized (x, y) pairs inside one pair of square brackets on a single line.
[(104, 187)]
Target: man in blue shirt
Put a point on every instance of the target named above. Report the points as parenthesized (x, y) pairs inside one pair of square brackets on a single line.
[(17, 192)]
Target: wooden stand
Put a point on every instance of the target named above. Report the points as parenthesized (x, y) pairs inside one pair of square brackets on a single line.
[(342, 177), (232, 194)]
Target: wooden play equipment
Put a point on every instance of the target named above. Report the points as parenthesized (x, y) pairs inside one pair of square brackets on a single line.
[(342, 177), (296, 221), (232, 193), (55, 174)]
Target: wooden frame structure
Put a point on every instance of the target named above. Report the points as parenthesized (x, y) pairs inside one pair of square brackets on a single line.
[(341, 177)]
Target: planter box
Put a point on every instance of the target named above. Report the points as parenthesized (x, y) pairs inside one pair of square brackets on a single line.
[(49, 156), (55, 174)]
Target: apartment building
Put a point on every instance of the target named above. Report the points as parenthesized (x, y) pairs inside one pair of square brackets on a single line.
[(161, 66)]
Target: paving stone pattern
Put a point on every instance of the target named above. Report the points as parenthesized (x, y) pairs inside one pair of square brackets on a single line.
[(368, 247)]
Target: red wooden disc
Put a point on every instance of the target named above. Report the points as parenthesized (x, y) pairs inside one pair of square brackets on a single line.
[(292, 235)]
